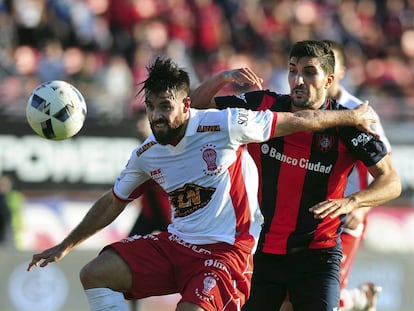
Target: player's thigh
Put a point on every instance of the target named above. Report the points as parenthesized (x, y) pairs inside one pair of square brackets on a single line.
[(268, 289), (108, 269), (317, 283), (286, 306), (217, 279), (188, 306)]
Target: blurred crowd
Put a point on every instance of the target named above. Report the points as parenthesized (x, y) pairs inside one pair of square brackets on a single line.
[(103, 46)]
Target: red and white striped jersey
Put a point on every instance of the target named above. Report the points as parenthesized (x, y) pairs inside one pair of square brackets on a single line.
[(211, 179)]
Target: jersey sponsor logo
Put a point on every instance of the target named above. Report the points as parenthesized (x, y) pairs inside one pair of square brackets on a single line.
[(242, 116), (194, 248), (325, 142), (145, 148), (157, 176), (209, 155), (216, 264), (300, 162), (138, 236), (208, 128), (362, 138), (239, 116), (190, 198)]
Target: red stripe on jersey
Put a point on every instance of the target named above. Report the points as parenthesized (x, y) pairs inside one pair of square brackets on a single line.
[(267, 102), (287, 200), (272, 132), (326, 232), (238, 194), (339, 175), (362, 175)]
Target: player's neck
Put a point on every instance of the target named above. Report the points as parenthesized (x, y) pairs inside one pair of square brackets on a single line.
[(335, 93), (176, 141)]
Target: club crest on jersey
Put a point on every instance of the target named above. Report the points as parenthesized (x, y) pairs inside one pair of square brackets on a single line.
[(209, 282), (325, 142), (209, 155)]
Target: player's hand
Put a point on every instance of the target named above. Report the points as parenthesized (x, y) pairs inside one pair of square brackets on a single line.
[(244, 76), (50, 255), (332, 208), (367, 119)]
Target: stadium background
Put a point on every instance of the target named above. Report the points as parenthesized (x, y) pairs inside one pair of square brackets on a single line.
[(103, 46)]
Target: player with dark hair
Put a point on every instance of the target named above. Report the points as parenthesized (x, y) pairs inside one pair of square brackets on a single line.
[(365, 296), (155, 211), (154, 205), (302, 183), (200, 158)]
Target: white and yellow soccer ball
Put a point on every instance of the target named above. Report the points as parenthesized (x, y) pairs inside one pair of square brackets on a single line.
[(56, 110)]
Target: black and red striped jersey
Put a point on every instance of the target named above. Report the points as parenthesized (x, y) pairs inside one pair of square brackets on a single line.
[(300, 170)]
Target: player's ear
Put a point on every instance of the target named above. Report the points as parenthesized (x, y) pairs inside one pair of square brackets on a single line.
[(330, 79), (187, 103)]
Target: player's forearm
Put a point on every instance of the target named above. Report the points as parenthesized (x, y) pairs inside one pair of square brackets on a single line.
[(384, 188), (316, 120), (203, 96), (102, 213), (313, 120)]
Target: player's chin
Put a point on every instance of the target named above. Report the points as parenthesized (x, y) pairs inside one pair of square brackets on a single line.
[(162, 137), (301, 102)]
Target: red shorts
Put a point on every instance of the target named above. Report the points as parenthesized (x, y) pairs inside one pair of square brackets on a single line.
[(213, 276)]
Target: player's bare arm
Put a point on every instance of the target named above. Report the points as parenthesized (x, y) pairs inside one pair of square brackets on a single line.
[(315, 120), (363, 116), (385, 187), (101, 214), (203, 96)]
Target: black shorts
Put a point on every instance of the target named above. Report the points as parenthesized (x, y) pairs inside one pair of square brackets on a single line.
[(310, 279)]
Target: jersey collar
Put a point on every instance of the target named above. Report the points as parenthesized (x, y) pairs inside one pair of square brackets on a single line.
[(193, 122)]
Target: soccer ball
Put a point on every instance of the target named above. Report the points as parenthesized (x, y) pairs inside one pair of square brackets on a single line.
[(56, 110)]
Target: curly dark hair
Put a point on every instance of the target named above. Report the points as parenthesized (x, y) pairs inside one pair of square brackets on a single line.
[(165, 75)]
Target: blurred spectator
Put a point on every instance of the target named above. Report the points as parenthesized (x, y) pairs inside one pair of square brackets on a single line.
[(50, 62), (5, 220), (11, 222), (205, 36)]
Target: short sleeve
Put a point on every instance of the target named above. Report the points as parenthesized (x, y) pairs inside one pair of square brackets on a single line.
[(364, 146), (130, 182), (247, 126)]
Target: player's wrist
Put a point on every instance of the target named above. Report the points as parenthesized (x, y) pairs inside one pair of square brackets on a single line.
[(227, 76)]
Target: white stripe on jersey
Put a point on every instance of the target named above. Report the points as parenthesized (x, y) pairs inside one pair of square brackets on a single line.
[(210, 177)]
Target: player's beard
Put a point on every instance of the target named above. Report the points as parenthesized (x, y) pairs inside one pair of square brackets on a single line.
[(306, 102), (302, 103), (167, 135)]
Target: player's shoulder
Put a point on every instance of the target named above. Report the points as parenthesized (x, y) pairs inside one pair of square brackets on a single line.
[(267, 99), (148, 144), (205, 115), (348, 100)]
